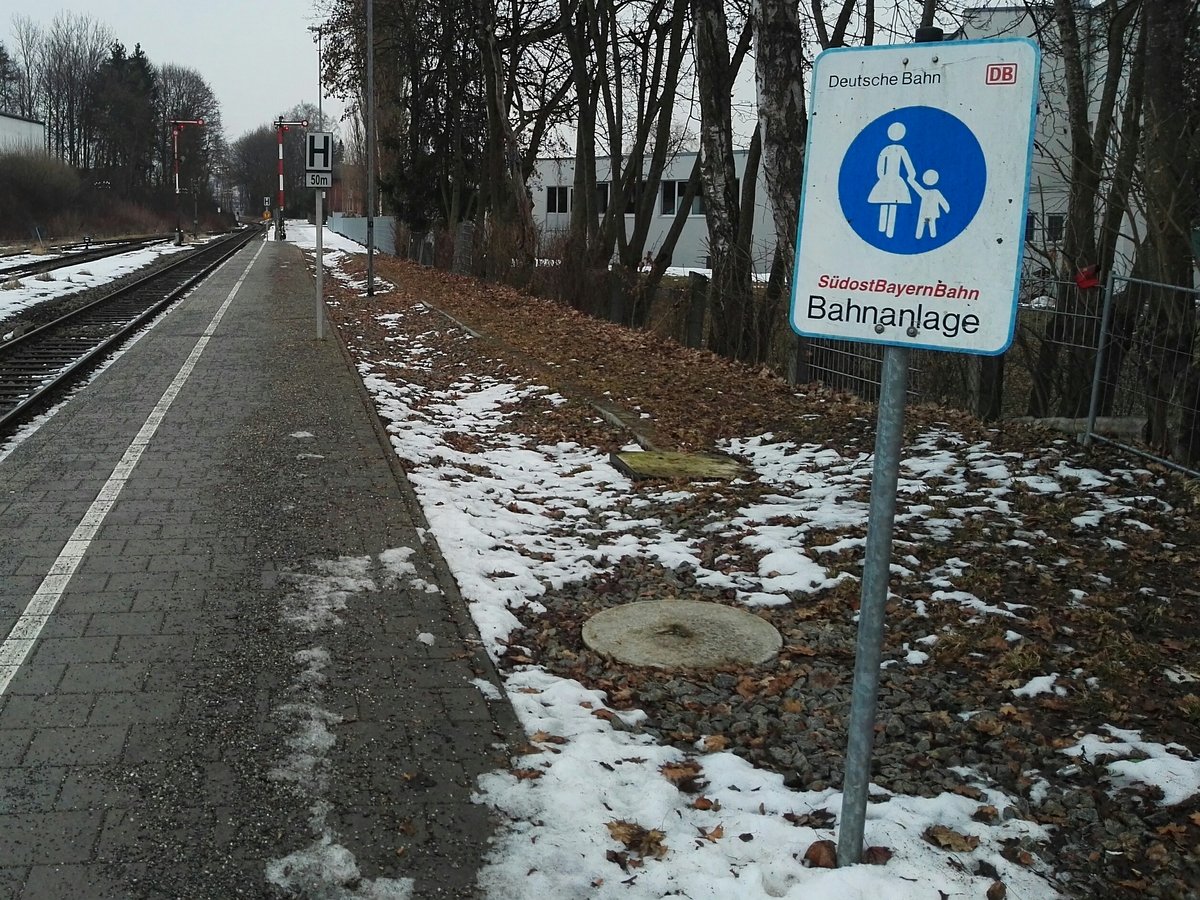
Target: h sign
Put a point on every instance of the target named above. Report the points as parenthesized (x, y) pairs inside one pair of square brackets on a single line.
[(319, 154)]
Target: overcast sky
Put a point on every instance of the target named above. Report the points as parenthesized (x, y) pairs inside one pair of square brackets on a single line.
[(257, 55)]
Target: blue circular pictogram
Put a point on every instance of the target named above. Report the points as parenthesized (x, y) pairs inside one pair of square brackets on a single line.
[(912, 180)]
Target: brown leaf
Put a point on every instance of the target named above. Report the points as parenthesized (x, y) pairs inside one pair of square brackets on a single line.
[(989, 815), (877, 856), (712, 835), (704, 803), (987, 723), (949, 839), (642, 841), (714, 743), (997, 891), (820, 818), (681, 771), (799, 650), (527, 774), (544, 737), (821, 855)]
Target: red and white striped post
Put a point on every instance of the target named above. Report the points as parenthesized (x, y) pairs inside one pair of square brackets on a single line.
[(280, 127), (176, 127)]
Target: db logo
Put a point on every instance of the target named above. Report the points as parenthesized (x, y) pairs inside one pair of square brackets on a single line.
[(1001, 73)]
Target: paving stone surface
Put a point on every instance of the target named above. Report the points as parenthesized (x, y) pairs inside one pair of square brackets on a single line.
[(214, 691)]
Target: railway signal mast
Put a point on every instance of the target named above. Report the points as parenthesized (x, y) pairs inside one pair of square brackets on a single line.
[(280, 127), (177, 125)]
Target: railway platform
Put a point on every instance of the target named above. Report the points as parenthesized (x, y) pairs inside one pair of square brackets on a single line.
[(233, 662)]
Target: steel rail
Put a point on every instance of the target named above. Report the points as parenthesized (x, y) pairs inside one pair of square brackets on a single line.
[(74, 258), (42, 364)]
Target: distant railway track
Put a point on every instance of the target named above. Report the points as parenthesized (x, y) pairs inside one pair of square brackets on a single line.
[(39, 366), (75, 254)]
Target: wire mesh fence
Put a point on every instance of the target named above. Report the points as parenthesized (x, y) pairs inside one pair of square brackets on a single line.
[(1148, 370), (1119, 363)]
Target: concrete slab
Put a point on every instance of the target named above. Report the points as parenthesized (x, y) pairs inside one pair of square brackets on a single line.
[(644, 464), (681, 634)]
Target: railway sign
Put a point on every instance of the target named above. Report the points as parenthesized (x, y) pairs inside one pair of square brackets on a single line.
[(318, 153), (912, 211), (318, 180)]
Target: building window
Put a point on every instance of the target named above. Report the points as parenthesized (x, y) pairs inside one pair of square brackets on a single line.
[(1054, 227), (601, 197), (673, 193), (1030, 227), (668, 198), (557, 200)]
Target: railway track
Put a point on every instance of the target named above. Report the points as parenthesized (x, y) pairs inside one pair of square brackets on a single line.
[(39, 366), (76, 254)]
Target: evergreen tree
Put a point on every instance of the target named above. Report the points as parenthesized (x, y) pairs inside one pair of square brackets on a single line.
[(125, 93)]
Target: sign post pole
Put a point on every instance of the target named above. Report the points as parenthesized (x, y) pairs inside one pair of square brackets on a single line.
[(881, 517), (909, 236), (320, 269), (318, 173)]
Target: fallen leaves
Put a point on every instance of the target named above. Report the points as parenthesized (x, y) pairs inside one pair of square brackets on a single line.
[(877, 856), (684, 775), (645, 843), (949, 839), (821, 855)]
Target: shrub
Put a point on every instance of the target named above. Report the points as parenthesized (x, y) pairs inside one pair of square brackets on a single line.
[(35, 190)]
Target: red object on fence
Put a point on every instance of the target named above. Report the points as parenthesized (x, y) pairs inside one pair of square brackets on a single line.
[(1087, 277)]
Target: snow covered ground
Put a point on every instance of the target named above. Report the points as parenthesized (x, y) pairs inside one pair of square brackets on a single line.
[(34, 289), (595, 811), (593, 787)]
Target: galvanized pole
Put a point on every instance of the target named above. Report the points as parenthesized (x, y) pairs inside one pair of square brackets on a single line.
[(1101, 350), (320, 272), (370, 129), (876, 569), (881, 519)]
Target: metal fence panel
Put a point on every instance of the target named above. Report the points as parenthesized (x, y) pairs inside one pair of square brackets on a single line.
[(1148, 368)]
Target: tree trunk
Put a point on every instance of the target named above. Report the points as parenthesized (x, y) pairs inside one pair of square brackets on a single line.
[(783, 124), (513, 214), (1171, 210), (1091, 130), (730, 290)]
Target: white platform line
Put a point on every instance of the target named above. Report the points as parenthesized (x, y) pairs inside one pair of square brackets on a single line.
[(20, 641)]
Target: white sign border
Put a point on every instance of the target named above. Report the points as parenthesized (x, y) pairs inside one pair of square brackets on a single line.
[(930, 48)]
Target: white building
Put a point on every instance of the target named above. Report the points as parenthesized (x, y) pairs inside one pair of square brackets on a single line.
[(551, 188), (551, 184), (1049, 187), (21, 135)]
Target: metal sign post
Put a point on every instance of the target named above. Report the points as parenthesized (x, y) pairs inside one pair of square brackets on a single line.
[(320, 270), (318, 173), (911, 217)]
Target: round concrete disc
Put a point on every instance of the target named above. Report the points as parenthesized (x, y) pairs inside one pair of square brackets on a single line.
[(681, 634)]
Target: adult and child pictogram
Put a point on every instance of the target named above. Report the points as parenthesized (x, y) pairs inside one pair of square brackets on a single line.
[(912, 180)]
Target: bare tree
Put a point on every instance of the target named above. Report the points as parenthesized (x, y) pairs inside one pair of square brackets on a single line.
[(28, 63), (184, 94), (780, 66), (1099, 133), (729, 295), (72, 52)]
